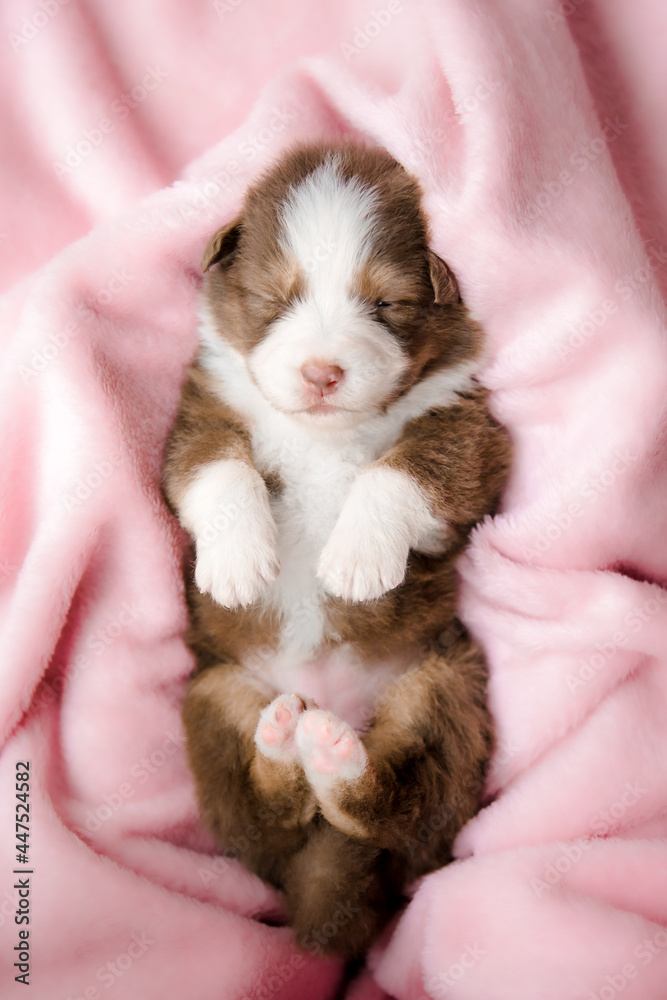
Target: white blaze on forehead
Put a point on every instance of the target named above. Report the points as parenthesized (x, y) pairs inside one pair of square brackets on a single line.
[(328, 225)]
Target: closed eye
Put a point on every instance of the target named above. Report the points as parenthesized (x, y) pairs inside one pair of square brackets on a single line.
[(267, 302), (382, 304)]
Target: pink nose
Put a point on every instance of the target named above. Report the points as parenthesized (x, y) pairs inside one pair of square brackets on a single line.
[(321, 377)]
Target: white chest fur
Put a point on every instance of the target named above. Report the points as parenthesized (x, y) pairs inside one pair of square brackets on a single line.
[(316, 474), (317, 467)]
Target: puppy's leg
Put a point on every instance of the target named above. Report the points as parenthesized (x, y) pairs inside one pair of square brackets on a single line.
[(253, 802), (338, 895), (443, 474), (412, 781), (219, 497)]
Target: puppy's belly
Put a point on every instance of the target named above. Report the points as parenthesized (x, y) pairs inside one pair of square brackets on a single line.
[(338, 680)]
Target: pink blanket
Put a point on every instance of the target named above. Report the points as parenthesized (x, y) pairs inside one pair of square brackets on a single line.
[(537, 129)]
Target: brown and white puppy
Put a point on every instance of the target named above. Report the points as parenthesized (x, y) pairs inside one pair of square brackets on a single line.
[(331, 454)]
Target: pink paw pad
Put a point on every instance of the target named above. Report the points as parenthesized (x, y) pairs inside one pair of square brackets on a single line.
[(328, 746), (274, 736), (268, 733)]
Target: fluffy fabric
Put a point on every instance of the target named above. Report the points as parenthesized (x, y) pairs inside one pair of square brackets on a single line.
[(537, 132)]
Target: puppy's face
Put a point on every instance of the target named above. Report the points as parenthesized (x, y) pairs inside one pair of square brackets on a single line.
[(327, 287)]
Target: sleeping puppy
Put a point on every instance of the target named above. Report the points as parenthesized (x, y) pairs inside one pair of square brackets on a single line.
[(331, 454)]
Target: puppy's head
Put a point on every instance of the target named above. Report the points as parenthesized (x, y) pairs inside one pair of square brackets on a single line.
[(327, 287)]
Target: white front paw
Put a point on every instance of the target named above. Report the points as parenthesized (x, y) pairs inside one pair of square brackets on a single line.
[(366, 554), (237, 568), (362, 566), (385, 515), (226, 509)]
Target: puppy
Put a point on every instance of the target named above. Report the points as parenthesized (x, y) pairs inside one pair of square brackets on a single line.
[(331, 454)]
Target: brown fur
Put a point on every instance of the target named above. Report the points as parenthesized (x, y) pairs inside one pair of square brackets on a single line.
[(428, 746), (344, 861), (205, 430), (256, 279), (252, 805)]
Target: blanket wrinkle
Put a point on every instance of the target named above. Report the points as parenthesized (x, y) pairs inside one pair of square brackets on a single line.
[(536, 132)]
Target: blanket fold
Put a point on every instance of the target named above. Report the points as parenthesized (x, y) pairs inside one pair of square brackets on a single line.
[(558, 890)]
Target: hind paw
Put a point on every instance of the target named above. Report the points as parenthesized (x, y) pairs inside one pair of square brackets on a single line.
[(330, 750), (275, 733)]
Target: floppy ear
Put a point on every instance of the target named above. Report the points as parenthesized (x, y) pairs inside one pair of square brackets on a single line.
[(222, 244), (444, 283)]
